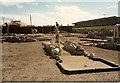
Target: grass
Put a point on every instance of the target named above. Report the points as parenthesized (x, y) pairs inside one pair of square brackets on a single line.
[(97, 27)]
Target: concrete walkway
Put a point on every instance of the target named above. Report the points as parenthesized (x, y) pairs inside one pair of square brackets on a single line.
[(75, 62)]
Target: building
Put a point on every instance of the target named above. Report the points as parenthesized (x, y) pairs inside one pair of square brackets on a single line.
[(16, 27), (22, 28), (98, 22)]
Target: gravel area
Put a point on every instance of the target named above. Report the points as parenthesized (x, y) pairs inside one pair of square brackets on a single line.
[(28, 62)]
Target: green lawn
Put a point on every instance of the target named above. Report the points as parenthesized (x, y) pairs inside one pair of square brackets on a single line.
[(97, 27)]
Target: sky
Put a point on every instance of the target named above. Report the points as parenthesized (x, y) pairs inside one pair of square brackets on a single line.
[(47, 12)]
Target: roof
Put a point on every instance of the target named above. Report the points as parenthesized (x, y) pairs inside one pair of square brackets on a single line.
[(17, 23), (96, 19)]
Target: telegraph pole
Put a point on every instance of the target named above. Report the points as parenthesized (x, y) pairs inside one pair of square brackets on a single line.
[(3, 20), (30, 20)]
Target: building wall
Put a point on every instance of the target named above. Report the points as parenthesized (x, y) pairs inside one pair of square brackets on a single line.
[(17, 29), (40, 29)]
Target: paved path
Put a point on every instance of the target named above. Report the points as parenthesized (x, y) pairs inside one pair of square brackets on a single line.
[(79, 62)]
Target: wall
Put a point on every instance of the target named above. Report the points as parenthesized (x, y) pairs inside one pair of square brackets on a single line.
[(40, 29)]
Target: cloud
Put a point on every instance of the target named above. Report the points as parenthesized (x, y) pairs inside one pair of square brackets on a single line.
[(70, 14), (62, 14), (59, 0), (42, 19), (10, 17), (110, 7), (14, 2), (37, 18), (47, 6), (34, 3), (19, 6)]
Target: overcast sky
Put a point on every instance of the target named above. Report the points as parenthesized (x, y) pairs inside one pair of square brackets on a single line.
[(47, 12)]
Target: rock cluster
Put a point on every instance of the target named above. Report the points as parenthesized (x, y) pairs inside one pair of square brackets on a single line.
[(53, 50), (73, 48), (109, 45), (20, 39), (95, 33)]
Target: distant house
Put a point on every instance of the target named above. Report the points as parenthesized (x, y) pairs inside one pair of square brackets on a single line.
[(16, 27), (17, 23), (23, 28), (98, 22)]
